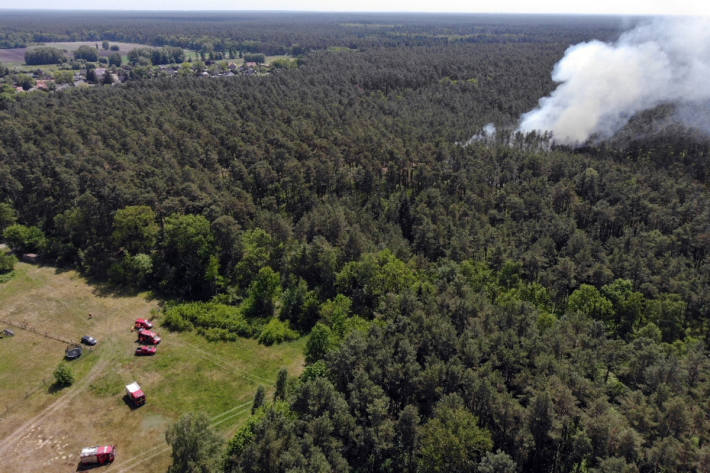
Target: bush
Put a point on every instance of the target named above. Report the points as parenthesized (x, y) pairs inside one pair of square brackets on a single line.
[(115, 59), (209, 315), (44, 55), (7, 262), (132, 271), (276, 331), (25, 239), (218, 335), (64, 77), (25, 81), (257, 58), (63, 376), (87, 53)]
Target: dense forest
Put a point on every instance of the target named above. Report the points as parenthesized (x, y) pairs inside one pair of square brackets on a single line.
[(494, 304), (293, 32)]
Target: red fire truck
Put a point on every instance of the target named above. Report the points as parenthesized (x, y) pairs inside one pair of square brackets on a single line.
[(98, 455)]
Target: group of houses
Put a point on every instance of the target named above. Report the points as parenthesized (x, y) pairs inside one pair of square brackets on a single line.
[(46, 83)]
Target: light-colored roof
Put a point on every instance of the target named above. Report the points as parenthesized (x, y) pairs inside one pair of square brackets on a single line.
[(89, 451), (133, 387)]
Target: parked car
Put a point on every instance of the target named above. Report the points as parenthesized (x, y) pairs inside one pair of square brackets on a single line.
[(146, 350), (143, 323), (148, 337), (73, 352), (88, 340)]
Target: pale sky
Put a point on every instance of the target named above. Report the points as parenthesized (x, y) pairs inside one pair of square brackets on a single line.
[(619, 7)]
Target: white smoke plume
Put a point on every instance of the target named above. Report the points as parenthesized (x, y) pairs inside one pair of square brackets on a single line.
[(487, 134), (602, 85)]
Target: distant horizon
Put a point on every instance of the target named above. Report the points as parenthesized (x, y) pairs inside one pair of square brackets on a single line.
[(501, 7), (346, 12)]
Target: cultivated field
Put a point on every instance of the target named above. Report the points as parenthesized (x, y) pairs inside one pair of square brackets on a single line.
[(43, 430), (16, 56)]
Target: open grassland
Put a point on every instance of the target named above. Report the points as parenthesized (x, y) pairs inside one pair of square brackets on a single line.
[(43, 429)]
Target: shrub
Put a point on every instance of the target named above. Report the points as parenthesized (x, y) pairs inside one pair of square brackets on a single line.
[(276, 331), (25, 239), (115, 59), (7, 262), (63, 376), (257, 58), (132, 271), (176, 322), (218, 334), (87, 53), (209, 315), (44, 55)]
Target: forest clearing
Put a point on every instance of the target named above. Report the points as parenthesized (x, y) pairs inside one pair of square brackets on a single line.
[(42, 428)]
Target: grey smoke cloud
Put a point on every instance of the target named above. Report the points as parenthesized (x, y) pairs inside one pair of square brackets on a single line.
[(602, 85)]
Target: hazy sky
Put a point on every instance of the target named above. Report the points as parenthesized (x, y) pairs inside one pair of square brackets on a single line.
[(625, 7)]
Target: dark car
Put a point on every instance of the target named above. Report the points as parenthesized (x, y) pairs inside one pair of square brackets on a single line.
[(88, 340), (73, 352)]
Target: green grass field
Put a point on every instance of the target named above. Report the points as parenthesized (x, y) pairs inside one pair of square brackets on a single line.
[(42, 429)]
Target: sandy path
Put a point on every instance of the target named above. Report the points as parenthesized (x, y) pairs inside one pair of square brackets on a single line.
[(24, 432)]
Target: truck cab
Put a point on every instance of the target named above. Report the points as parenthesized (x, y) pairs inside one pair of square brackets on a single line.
[(135, 394)]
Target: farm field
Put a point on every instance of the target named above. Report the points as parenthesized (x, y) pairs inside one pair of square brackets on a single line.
[(16, 56), (195, 56), (43, 429)]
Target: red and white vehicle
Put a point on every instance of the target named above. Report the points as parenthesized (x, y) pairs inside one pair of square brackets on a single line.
[(98, 455), (143, 323), (146, 350), (149, 337), (135, 394)]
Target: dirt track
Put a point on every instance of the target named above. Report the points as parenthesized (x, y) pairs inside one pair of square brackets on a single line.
[(23, 443)]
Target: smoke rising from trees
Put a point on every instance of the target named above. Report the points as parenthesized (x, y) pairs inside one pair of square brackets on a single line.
[(602, 85)]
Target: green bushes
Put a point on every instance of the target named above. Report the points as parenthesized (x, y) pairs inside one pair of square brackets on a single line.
[(44, 55), (25, 239), (63, 376), (209, 316), (225, 323), (7, 262), (87, 53), (277, 331)]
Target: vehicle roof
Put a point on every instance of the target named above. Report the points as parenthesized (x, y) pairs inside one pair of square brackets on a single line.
[(133, 387), (89, 451)]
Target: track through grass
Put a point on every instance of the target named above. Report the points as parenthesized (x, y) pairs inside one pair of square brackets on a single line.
[(44, 430)]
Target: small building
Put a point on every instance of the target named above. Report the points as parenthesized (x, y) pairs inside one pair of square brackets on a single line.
[(43, 84)]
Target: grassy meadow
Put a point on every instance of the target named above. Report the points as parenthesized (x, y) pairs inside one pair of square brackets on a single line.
[(44, 428)]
